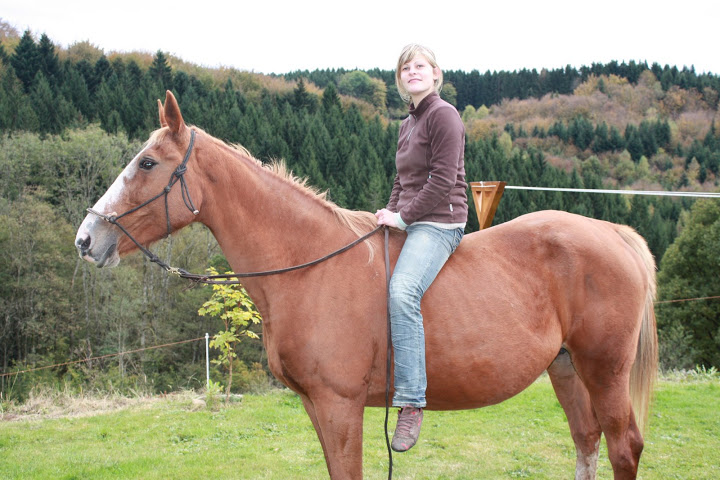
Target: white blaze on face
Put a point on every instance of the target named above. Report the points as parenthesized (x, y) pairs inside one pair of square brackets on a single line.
[(114, 193), (107, 203)]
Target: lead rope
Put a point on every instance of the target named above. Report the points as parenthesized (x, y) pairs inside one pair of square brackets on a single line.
[(389, 351)]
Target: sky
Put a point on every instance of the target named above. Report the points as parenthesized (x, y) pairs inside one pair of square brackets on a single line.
[(280, 36)]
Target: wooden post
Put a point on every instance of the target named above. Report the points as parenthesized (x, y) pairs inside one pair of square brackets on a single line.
[(486, 196)]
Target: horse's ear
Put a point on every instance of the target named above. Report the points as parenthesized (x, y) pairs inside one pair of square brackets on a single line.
[(173, 117), (161, 114)]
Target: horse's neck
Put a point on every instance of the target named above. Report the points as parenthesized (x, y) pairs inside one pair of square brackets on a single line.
[(263, 221)]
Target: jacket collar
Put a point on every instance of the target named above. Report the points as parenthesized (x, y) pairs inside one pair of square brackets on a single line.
[(424, 104)]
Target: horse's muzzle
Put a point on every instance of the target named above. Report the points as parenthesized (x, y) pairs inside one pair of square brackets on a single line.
[(98, 247)]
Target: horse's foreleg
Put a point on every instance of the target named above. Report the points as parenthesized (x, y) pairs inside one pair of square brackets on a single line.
[(339, 424), (310, 409), (584, 426)]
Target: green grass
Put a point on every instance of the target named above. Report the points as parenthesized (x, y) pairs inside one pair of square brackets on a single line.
[(270, 437)]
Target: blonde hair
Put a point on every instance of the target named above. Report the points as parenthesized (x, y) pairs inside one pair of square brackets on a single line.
[(407, 54)]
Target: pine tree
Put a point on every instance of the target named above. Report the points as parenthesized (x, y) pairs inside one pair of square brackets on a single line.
[(102, 71), (16, 112), (49, 62), (633, 142), (616, 141), (601, 142), (160, 71), (76, 91), (302, 98), (26, 60), (53, 111), (330, 97)]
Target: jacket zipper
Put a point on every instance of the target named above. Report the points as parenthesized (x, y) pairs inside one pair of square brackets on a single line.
[(407, 139)]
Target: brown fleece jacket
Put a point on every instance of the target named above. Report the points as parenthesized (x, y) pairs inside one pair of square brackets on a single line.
[(430, 182)]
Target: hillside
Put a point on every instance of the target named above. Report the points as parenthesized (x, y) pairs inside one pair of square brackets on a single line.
[(71, 119), (590, 129)]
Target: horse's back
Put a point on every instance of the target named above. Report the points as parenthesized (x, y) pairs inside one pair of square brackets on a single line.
[(512, 295)]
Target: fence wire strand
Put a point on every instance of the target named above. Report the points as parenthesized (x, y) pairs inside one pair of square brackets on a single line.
[(109, 355), (507, 187)]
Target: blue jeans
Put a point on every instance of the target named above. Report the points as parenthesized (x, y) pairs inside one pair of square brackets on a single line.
[(426, 250)]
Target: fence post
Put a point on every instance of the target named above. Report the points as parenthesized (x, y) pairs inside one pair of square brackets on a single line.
[(207, 360)]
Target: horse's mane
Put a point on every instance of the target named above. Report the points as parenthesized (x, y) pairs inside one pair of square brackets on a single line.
[(358, 222)]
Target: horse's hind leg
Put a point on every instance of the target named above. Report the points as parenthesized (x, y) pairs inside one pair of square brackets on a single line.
[(584, 426), (608, 383)]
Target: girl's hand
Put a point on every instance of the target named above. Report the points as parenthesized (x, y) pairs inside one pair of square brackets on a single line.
[(386, 217)]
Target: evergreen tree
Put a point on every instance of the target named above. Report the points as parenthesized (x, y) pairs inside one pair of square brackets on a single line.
[(647, 137), (102, 71), (49, 62), (26, 60), (581, 132), (302, 98), (633, 142), (54, 112), (76, 91), (330, 97), (616, 141), (160, 71), (601, 141), (16, 113)]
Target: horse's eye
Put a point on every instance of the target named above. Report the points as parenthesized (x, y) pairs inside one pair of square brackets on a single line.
[(147, 163)]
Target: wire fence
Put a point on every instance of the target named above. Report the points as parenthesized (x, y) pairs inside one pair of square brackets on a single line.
[(507, 187), (109, 355), (657, 193), (207, 358)]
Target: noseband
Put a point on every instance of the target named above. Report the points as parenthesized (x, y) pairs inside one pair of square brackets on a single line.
[(177, 175)]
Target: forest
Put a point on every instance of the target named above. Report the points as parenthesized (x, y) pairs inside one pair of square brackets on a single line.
[(70, 119)]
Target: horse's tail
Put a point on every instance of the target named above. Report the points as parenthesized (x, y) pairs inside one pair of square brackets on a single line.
[(644, 370)]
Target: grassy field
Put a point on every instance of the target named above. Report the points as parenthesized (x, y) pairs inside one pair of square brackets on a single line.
[(270, 437)]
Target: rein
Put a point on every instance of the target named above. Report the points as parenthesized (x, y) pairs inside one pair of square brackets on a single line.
[(225, 279)]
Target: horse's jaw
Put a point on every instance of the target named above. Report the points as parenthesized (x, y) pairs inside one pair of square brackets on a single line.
[(97, 243)]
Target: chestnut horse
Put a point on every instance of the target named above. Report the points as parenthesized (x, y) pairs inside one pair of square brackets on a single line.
[(547, 291)]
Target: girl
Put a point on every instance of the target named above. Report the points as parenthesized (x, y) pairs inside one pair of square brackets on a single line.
[(429, 202)]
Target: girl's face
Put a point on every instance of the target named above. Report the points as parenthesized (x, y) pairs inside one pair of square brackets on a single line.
[(418, 78)]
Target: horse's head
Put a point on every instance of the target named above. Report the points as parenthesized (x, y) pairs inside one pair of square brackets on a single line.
[(137, 198)]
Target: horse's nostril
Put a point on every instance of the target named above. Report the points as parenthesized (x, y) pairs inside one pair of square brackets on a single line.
[(83, 243)]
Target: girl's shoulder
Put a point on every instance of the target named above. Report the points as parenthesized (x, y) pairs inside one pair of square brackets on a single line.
[(444, 113)]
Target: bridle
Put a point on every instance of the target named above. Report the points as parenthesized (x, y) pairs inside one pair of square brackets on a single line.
[(179, 176)]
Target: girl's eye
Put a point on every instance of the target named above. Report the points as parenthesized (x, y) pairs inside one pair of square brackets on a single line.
[(147, 163)]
